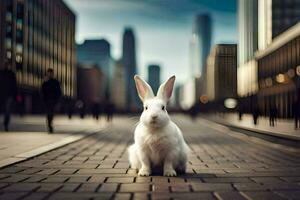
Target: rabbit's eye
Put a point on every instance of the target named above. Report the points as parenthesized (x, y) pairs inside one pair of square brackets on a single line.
[(163, 107), (146, 107)]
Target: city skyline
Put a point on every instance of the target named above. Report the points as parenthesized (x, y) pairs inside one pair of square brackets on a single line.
[(153, 23)]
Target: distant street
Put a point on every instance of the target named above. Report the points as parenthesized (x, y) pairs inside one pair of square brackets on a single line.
[(223, 165)]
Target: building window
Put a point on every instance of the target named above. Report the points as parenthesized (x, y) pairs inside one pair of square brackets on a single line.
[(8, 17), (8, 43)]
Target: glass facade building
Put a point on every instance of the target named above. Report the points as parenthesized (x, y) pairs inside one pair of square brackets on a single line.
[(279, 73), (36, 35)]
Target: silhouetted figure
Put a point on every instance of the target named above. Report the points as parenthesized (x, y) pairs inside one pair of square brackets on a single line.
[(296, 113), (70, 109), (81, 108), (8, 91), (109, 110), (255, 115), (51, 93), (96, 110), (273, 115)]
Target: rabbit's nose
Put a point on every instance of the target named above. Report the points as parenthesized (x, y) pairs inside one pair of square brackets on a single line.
[(154, 116)]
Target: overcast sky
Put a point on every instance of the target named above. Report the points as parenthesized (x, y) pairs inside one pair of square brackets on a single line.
[(162, 28)]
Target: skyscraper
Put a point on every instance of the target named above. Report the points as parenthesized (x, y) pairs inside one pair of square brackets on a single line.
[(248, 44), (154, 77), (200, 44), (129, 62), (221, 72)]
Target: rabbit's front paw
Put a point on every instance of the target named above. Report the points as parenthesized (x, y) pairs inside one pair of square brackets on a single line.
[(170, 172), (144, 172)]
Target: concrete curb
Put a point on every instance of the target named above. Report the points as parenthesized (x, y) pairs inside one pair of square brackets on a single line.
[(272, 134), (44, 149)]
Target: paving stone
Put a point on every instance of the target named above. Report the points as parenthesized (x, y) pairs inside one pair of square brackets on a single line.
[(120, 180), (55, 179), (14, 179), (108, 187), (135, 187), (36, 196), (227, 180), (101, 171), (229, 195), (211, 187), (49, 187), (88, 187), (97, 179), (185, 196), (78, 179), (12, 195), (141, 196), (263, 195), (250, 187), (122, 196), (180, 188), (22, 187)]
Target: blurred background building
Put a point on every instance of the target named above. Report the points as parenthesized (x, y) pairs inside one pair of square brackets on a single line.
[(189, 93), (34, 36), (89, 85), (275, 17), (268, 55), (222, 72), (279, 73), (97, 52), (247, 46), (129, 62), (154, 77), (118, 89)]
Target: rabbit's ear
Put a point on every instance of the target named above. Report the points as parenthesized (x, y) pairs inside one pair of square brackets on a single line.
[(143, 88), (165, 89)]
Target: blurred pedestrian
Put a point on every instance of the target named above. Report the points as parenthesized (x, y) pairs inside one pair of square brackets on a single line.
[(51, 93), (81, 108), (70, 109), (109, 109), (255, 114), (8, 92), (296, 110), (273, 115), (96, 111)]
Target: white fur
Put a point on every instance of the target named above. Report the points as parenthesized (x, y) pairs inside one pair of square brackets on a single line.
[(157, 142)]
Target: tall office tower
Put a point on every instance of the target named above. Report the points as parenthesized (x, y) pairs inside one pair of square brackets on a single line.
[(118, 87), (200, 44), (275, 17), (34, 36), (129, 62), (248, 44), (221, 72), (154, 77), (97, 51)]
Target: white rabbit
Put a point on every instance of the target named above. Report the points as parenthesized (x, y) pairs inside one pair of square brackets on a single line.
[(158, 141)]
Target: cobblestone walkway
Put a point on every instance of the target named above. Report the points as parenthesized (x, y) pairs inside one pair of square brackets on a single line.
[(221, 167)]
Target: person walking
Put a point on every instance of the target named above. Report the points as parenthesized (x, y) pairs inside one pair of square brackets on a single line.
[(273, 115), (255, 115), (296, 110), (8, 92), (51, 93)]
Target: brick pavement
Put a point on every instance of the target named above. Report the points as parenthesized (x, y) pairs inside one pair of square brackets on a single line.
[(220, 167)]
